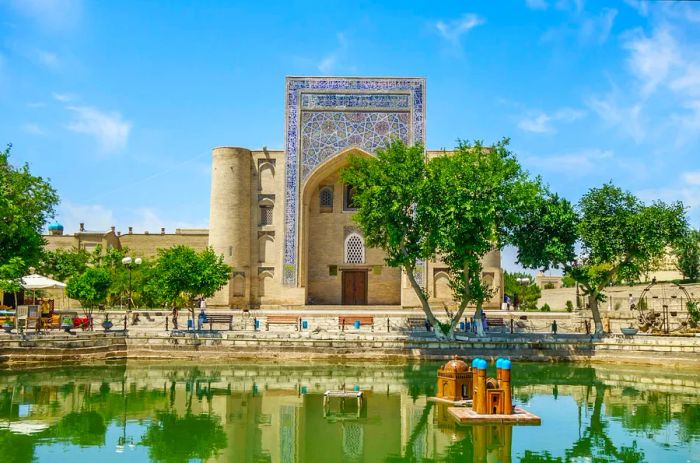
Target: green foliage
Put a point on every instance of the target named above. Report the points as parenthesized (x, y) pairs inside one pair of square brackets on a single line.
[(388, 189), (549, 285), (26, 204), (86, 428), (180, 274), (693, 311), (567, 281), (687, 251), (90, 287), (62, 264), (620, 237), (527, 294), (182, 439), (545, 308), (569, 306), (11, 274)]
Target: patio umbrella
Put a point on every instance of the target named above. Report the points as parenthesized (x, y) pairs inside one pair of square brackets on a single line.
[(36, 281)]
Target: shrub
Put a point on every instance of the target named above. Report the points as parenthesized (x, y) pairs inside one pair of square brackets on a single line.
[(569, 306), (549, 285), (545, 308)]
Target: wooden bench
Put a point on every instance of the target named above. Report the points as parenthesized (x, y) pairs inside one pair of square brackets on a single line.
[(283, 320), (219, 318), (414, 323), (351, 319), (495, 323)]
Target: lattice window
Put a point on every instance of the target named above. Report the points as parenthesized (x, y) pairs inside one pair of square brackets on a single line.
[(354, 249), (265, 215), (326, 198)]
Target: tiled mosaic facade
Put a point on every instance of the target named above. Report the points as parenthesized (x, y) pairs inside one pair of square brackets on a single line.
[(325, 116)]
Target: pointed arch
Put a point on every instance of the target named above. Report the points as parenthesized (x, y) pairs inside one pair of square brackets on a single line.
[(354, 249)]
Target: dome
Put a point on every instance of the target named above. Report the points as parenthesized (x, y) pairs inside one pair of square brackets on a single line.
[(55, 226), (475, 362), (505, 364), (499, 361), (456, 365), (482, 364)]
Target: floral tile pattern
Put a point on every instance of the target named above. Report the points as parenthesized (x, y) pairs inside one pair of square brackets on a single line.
[(327, 115)]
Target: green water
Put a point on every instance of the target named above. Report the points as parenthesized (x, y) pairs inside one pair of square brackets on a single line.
[(245, 412)]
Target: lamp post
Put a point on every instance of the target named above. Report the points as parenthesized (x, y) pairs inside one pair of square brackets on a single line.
[(129, 264)]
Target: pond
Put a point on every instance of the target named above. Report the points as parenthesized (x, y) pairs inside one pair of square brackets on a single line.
[(248, 412)]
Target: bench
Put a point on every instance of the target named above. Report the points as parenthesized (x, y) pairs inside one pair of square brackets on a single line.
[(219, 318), (283, 320), (414, 323), (351, 319), (495, 323)]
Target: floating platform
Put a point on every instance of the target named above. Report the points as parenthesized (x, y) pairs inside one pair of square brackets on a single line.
[(344, 394), (456, 403), (468, 416)]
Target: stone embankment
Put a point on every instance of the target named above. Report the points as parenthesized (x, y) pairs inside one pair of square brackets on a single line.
[(225, 346)]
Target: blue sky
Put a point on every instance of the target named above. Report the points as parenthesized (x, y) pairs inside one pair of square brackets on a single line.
[(120, 103)]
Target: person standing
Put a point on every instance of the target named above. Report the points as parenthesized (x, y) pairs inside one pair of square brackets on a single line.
[(554, 327), (174, 318)]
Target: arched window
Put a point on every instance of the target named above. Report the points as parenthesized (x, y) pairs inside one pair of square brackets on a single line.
[(325, 197), (267, 178), (265, 284), (266, 249), (349, 200), (354, 249)]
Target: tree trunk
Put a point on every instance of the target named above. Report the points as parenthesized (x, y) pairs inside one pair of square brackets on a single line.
[(455, 320), (595, 311), (424, 304)]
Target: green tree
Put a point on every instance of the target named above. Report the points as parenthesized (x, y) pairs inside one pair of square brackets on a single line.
[(171, 438), (62, 264), (457, 208), (388, 190), (687, 251), (528, 293), (620, 236), (90, 288), (26, 203), (180, 274), (479, 199), (11, 275)]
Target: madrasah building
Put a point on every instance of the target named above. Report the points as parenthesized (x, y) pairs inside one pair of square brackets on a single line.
[(282, 219)]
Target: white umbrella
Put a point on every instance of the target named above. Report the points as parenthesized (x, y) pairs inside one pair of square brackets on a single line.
[(35, 281)]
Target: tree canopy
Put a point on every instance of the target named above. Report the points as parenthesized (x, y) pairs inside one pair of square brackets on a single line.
[(687, 251), (90, 287), (180, 274), (620, 237), (456, 208), (26, 203)]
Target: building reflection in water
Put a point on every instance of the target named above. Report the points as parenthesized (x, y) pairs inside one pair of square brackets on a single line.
[(249, 413)]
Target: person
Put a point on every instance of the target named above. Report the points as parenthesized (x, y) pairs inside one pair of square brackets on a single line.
[(174, 318), (554, 327), (484, 321), (201, 319), (631, 302)]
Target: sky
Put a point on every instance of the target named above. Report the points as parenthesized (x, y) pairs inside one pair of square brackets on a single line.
[(120, 103)]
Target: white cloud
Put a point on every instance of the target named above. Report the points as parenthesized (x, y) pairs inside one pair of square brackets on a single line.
[(32, 129), (149, 219), (46, 58), (108, 128), (576, 163), (94, 216), (329, 62), (642, 6), (652, 58), (691, 178), (63, 97), (597, 28), (541, 122), (615, 114), (51, 14), (453, 30), (536, 4)]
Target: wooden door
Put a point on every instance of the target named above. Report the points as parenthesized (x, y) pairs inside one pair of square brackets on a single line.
[(354, 287)]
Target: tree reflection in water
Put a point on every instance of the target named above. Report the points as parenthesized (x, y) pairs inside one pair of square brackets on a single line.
[(172, 439)]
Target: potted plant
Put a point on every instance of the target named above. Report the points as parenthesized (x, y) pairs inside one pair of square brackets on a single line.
[(8, 325), (107, 323)]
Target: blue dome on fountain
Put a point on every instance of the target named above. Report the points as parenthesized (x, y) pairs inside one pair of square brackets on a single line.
[(55, 226)]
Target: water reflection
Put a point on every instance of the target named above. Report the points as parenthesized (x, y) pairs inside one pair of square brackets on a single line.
[(269, 413)]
